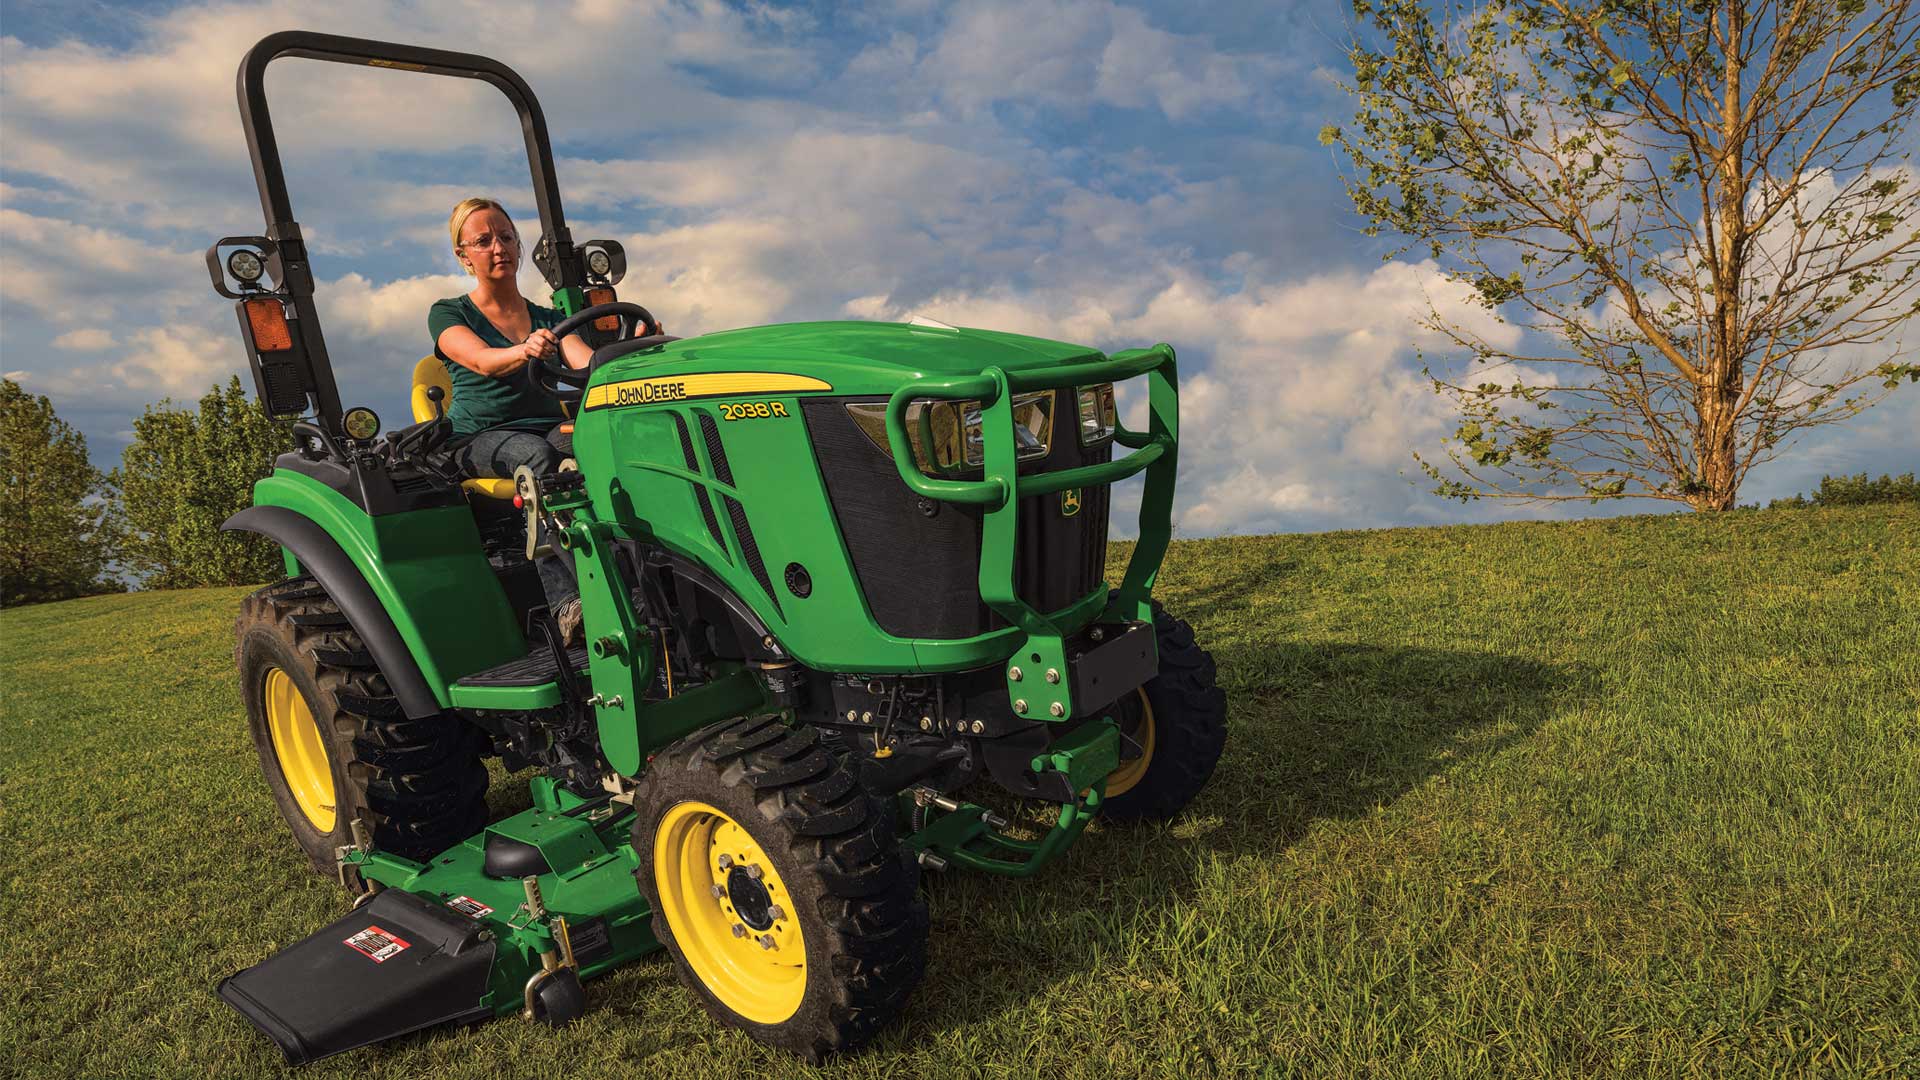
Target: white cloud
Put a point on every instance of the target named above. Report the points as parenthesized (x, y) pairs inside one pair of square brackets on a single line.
[(86, 339)]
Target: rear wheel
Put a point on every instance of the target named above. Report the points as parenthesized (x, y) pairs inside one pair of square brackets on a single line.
[(1178, 720), (334, 744), (777, 885)]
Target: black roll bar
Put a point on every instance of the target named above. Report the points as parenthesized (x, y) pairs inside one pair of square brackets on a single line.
[(554, 255)]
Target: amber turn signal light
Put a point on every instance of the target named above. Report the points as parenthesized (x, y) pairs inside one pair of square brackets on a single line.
[(596, 297), (268, 318)]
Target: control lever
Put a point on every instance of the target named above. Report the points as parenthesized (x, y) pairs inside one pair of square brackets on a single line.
[(526, 495), (436, 395)]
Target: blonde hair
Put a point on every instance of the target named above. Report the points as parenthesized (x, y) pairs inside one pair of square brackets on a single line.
[(457, 220)]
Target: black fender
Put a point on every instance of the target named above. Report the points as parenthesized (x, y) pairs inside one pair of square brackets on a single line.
[(321, 556)]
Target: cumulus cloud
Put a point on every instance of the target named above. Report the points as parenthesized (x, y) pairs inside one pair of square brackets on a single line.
[(85, 339)]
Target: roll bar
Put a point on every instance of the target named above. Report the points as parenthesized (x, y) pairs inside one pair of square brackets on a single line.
[(305, 369)]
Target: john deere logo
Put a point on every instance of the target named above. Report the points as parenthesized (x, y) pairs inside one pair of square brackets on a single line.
[(1069, 502)]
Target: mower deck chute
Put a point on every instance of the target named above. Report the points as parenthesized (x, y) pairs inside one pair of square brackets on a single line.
[(394, 965)]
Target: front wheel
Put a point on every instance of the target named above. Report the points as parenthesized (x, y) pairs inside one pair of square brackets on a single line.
[(778, 887), (1178, 723)]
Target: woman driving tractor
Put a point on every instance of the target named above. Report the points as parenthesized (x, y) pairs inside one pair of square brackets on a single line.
[(486, 338)]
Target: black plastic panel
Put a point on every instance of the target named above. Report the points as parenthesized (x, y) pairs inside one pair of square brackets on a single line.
[(918, 561)]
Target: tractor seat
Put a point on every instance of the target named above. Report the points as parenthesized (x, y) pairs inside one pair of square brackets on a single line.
[(429, 373)]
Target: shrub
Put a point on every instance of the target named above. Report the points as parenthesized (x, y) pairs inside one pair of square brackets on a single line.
[(1855, 491), (55, 536), (189, 470)]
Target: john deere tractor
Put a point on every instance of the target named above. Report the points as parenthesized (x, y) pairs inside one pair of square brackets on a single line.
[(839, 580)]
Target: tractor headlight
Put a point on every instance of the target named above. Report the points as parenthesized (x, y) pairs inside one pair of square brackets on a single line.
[(1096, 414), (946, 436), (245, 266)]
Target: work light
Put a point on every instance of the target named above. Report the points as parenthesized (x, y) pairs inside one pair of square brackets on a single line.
[(245, 266)]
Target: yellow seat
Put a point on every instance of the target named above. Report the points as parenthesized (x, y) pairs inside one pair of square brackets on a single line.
[(430, 373)]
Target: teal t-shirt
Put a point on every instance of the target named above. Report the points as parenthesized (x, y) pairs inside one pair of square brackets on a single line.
[(485, 401)]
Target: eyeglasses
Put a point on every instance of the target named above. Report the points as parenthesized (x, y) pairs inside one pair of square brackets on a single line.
[(482, 243)]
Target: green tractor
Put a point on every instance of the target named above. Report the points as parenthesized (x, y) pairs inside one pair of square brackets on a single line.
[(837, 578)]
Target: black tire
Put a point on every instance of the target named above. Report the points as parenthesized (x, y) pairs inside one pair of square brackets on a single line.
[(419, 784), (832, 851), (1188, 714)]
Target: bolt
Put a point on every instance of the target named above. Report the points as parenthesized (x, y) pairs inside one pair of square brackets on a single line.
[(1020, 706), (1053, 675), (606, 646), (1098, 634), (739, 930), (979, 726), (1057, 709), (766, 941), (852, 715), (754, 872), (725, 861), (1013, 673), (776, 912), (866, 718), (931, 861), (767, 642), (718, 892), (926, 723)]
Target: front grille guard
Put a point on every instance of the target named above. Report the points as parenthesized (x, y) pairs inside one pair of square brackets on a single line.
[(1036, 682)]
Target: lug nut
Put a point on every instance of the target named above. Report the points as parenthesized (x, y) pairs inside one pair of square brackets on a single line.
[(1057, 709), (739, 930), (1013, 673), (754, 872), (776, 912), (718, 892), (1020, 706), (1053, 675), (766, 941), (725, 861)]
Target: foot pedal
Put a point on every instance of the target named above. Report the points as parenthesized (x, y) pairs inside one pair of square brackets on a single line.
[(395, 965)]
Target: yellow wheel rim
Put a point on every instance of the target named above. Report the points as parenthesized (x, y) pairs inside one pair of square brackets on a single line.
[(731, 914), (301, 751), (1122, 779)]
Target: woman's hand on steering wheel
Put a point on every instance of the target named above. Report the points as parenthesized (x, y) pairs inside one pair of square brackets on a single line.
[(540, 345), (549, 370)]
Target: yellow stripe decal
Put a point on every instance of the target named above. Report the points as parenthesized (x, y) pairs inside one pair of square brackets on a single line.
[(712, 384)]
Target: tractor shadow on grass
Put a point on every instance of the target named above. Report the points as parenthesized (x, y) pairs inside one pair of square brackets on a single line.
[(1318, 731)]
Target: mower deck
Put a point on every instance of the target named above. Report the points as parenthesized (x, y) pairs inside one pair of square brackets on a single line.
[(457, 939)]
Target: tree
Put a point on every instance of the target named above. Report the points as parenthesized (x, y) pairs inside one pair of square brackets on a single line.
[(185, 473), (1693, 220), (54, 541)]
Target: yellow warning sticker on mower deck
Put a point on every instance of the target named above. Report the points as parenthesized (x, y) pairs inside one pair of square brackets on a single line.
[(666, 388)]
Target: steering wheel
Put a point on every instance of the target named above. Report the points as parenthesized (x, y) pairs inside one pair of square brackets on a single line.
[(553, 376)]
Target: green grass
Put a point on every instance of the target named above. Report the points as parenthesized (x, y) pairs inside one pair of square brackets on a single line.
[(1637, 797)]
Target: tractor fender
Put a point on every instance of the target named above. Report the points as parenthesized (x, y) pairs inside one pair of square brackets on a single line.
[(322, 556)]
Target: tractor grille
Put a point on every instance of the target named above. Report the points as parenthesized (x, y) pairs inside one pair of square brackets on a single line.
[(918, 561)]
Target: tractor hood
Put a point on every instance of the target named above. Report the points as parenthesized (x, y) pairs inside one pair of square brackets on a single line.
[(855, 357)]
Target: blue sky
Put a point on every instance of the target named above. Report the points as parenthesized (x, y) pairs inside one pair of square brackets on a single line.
[(1105, 173)]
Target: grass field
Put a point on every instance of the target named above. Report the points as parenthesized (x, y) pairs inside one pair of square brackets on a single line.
[(1637, 797)]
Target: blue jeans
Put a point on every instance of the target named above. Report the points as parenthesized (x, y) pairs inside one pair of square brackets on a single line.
[(499, 451)]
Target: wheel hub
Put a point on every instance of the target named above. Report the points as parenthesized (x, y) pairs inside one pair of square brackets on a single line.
[(750, 899)]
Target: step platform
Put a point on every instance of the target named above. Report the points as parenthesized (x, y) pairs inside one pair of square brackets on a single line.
[(525, 682), (394, 965)]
